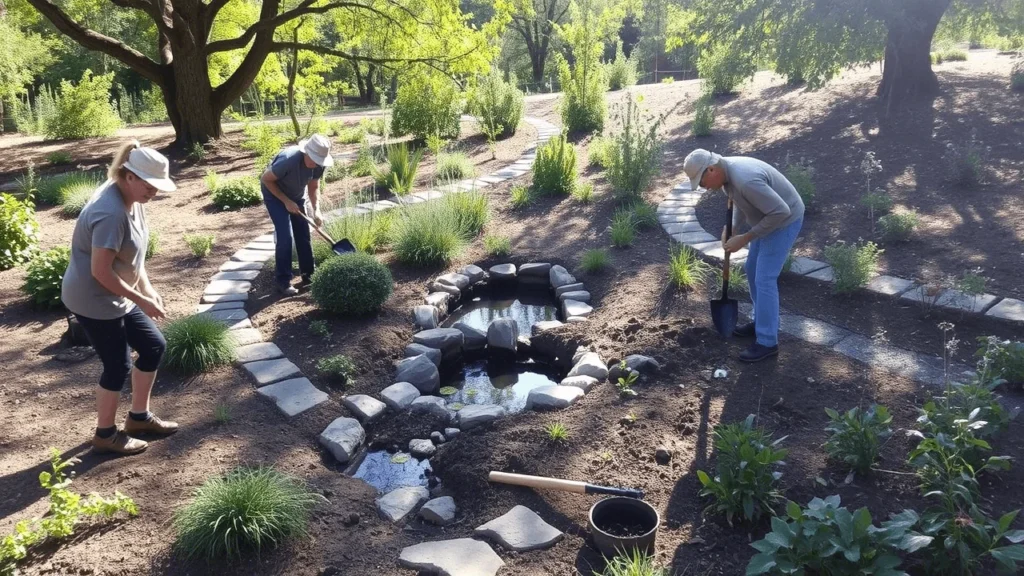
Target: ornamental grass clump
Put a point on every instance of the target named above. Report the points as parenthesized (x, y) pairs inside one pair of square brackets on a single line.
[(198, 343)]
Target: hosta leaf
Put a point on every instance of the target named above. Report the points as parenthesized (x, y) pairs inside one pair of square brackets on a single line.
[(760, 564), (914, 542)]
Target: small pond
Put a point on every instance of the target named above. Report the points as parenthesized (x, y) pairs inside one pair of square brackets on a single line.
[(386, 471), (527, 308)]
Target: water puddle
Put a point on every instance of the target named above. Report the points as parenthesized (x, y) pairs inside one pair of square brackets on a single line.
[(526, 308), (386, 471)]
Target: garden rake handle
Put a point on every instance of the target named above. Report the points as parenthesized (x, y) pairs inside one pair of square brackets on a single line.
[(317, 228), (725, 259), (545, 483)]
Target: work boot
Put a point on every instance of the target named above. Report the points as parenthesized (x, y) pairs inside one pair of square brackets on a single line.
[(307, 279), (286, 290), (758, 352), (154, 425), (118, 443), (745, 331)]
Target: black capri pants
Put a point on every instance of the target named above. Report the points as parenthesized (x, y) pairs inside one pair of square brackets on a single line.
[(114, 341)]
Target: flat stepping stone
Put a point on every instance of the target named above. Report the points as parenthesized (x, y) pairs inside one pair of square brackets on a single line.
[(295, 396), (956, 300), (825, 274), (575, 308), (458, 280), (246, 336), (577, 295), (689, 238), (420, 372), (233, 266), (233, 305), (553, 397), (474, 339), (1008, 309), (366, 408), (473, 272), (520, 530), (233, 319), (559, 276), (811, 330), (270, 371), (577, 287), (342, 438), (422, 448), (584, 383), (228, 287), (675, 218), (257, 352), (448, 340), (535, 269), (236, 275), (432, 405), (459, 557), (399, 395), (889, 285), (920, 367), (590, 364), (479, 414), (543, 326), (440, 511), (215, 298), (432, 354), (244, 255), (399, 503), (692, 227), (503, 272)]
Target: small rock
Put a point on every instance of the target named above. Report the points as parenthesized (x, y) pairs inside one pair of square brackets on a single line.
[(422, 448), (544, 325), (531, 270), (440, 511), (584, 383), (451, 433), (479, 414), (578, 286), (503, 272), (574, 308), (420, 372), (458, 280), (433, 405), (397, 504), (437, 438), (440, 300), (330, 571), (662, 455), (353, 519), (555, 397), (577, 295), (580, 351), (721, 373), (425, 317), (473, 272), (474, 339), (453, 292), (366, 408), (590, 364), (342, 438), (399, 395), (642, 364), (559, 276)]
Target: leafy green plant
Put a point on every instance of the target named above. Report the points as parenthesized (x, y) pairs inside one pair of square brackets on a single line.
[(498, 104), (594, 261), (557, 432), (45, 274), (247, 509), (1001, 359), (54, 190), (958, 402), (469, 212), (801, 176), (19, 230), (583, 192), (351, 134), (686, 270), (520, 196), (898, 226), (855, 436), (498, 245), (237, 192), (84, 110), (198, 343), (633, 562), (58, 157), (320, 328), (963, 541), (436, 144), (554, 170), (352, 284), (340, 368), (583, 84), (825, 538), (965, 164), (400, 175), (428, 235), (600, 151), (625, 383), (365, 163), (264, 140), (623, 228), (621, 72), (427, 104), (1017, 76), (152, 244), (637, 151), (745, 479), (724, 66), (199, 244), (221, 414), (196, 152), (703, 116), (738, 282), (453, 166), (75, 198), (852, 265), (952, 55)]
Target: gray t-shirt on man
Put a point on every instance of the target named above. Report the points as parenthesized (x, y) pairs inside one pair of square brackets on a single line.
[(292, 175), (767, 199), (105, 222)]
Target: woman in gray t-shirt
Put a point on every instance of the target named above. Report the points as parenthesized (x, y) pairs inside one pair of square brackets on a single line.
[(107, 289)]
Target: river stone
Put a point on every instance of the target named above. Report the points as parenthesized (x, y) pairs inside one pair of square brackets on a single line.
[(572, 308), (421, 448), (437, 438), (534, 270), (584, 383), (553, 396), (433, 405), (474, 339), (440, 511), (503, 272), (452, 279), (397, 504), (502, 334), (433, 354), (446, 288), (425, 317), (478, 414), (342, 438), (448, 340), (420, 372), (473, 272), (439, 300), (577, 287), (366, 408), (520, 530), (642, 364), (559, 276), (590, 364), (399, 395), (544, 325), (451, 433), (580, 351), (460, 557), (577, 295)]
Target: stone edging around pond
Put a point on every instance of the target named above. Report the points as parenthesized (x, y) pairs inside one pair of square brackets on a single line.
[(678, 217)]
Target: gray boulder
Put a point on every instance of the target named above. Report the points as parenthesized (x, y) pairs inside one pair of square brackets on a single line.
[(578, 286), (474, 339), (577, 295), (553, 397), (590, 364), (559, 276), (398, 504), (425, 316), (440, 511), (575, 308), (421, 448), (399, 395), (584, 383), (452, 279), (642, 364), (448, 340), (478, 414), (534, 270), (473, 272), (580, 351), (342, 438), (544, 325), (420, 372), (431, 353), (366, 408), (502, 334), (453, 292), (432, 405), (438, 300), (503, 272), (451, 433)]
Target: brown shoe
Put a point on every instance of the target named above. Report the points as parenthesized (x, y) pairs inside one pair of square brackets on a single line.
[(152, 426), (119, 443)]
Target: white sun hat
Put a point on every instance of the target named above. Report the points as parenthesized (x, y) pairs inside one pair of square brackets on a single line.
[(696, 163), (319, 149), (152, 166)]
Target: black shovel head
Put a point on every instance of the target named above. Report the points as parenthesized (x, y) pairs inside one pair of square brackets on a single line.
[(343, 246), (724, 313)]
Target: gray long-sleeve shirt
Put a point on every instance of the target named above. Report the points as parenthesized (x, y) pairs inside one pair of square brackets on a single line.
[(765, 197)]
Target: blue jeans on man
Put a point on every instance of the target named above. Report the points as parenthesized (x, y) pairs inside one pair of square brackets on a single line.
[(765, 258), (286, 227)]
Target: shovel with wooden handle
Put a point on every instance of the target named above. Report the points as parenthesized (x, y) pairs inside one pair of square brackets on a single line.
[(546, 483), (340, 247), (725, 310)]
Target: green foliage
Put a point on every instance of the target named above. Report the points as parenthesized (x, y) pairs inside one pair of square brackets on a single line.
[(367, 232), (28, 184), (1001, 359), (898, 226), (198, 343), (143, 107), (801, 176), (621, 72), (623, 228), (436, 144), (221, 414), (335, 172), (723, 67), (825, 538), (952, 55), (152, 244), (340, 368), (248, 509), (196, 152), (703, 116), (85, 110), (237, 192), (644, 214), (686, 270), (971, 282), (352, 285), (375, 126), (320, 328), (625, 383), (668, 80), (454, 166), (469, 212), (557, 432), (583, 85), (199, 244), (852, 264), (521, 196), (554, 170), (965, 164), (54, 189), (737, 279), (600, 151), (19, 230), (962, 542), (855, 437), (428, 235), (350, 134), (427, 104), (498, 245), (264, 140), (498, 105), (746, 476), (594, 261), (66, 511), (1017, 76), (58, 157), (633, 563), (958, 402), (45, 274), (637, 151), (400, 176), (365, 163)]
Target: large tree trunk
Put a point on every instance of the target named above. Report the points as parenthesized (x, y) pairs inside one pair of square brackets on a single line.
[(908, 71), (189, 98)]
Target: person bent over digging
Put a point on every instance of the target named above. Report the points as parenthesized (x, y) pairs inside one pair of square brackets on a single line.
[(290, 185), (108, 291), (775, 212)]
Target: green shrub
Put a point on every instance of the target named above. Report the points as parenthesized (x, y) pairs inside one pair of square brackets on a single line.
[(352, 285), (633, 563), (594, 261), (521, 196), (198, 343), (965, 164), (703, 116), (600, 151), (498, 105), (686, 269), (852, 265), (936, 57), (724, 67), (644, 214), (1017, 76), (952, 55), (554, 170), (199, 244), (337, 171), (940, 414), (320, 328), (340, 368), (469, 211), (621, 72), (263, 139), (801, 176), (454, 166), (427, 104), (53, 189), (75, 198), (45, 274), (58, 157), (400, 176), (898, 226), (375, 126), (497, 245), (623, 229), (428, 235), (248, 509), (152, 244), (583, 192), (583, 104), (19, 230), (855, 437), (636, 154), (1001, 359), (350, 134), (365, 163), (369, 233), (85, 110), (196, 152), (745, 481)]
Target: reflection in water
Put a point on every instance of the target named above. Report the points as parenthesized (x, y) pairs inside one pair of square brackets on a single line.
[(379, 471), (507, 385), (526, 308)]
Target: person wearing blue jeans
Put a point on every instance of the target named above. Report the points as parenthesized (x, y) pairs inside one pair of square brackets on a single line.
[(289, 185), (773, 209)]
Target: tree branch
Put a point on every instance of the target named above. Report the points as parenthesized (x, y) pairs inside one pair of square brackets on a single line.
[(281, 46), (210, 12)]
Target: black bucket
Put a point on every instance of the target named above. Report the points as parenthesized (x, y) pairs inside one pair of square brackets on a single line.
[(620, 524)]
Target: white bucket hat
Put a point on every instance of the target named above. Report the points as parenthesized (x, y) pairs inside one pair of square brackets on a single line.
[(319, 149), (696, 163), (152, 166)]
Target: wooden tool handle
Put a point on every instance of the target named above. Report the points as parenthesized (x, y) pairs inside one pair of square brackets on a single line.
[(725, 253), (319, 231), (538, 482)]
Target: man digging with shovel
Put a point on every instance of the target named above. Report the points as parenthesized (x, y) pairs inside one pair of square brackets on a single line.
[(775, 212)]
